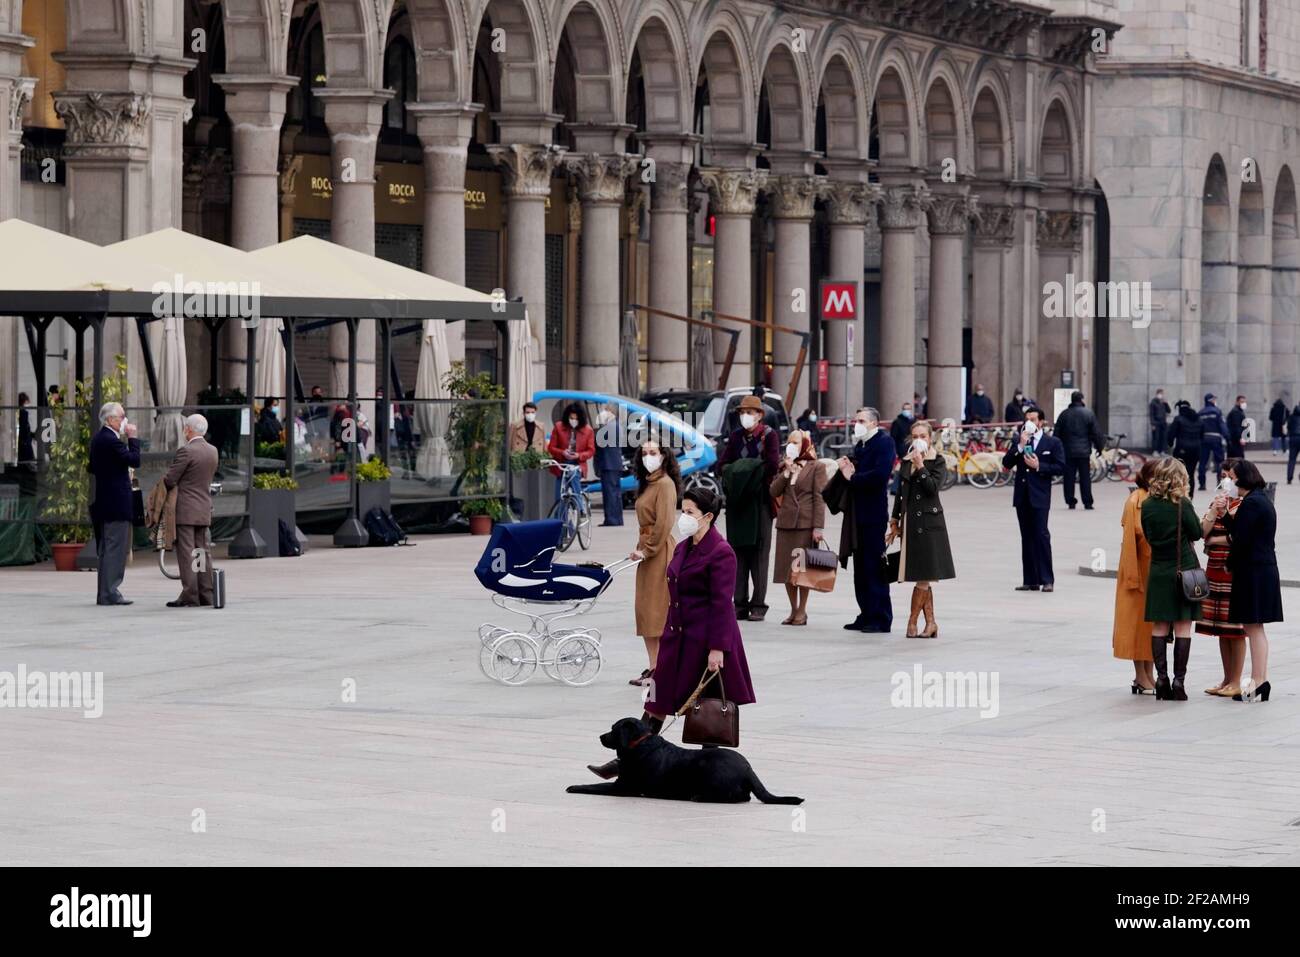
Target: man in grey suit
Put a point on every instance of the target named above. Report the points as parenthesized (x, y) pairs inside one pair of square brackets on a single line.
[(191, 475)]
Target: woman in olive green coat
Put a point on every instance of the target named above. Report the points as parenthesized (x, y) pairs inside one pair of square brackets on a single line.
[(918, 520), (1167, 607)]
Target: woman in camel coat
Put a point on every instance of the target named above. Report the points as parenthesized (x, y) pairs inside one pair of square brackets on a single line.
[(801, 518), (659, 483), (1131, 636)]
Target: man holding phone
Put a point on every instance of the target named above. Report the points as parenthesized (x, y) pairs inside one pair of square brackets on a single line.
[(1036, 458), (114, 451)]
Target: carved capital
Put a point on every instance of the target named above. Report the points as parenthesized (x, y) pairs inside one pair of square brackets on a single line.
[(18, 100), (527, 168), (99, 122), (995, 225), (601, 176), (903, 207), (290, 167), (851, 204), (733, 192), (950, 214), (668, 189), (1060, 228), (793, 197)]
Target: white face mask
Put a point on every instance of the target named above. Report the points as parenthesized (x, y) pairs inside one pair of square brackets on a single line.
[(573, 423), (1243, 407), (606, 415), (687, 525), (1228, 487), (747, 421), (812, 417), (792, 451), (530, 416), (979, 391), (652, 463), (920, 445), (860, 430)]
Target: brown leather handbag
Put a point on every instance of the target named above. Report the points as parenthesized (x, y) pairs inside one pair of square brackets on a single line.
[(814, 567), (711, 720)]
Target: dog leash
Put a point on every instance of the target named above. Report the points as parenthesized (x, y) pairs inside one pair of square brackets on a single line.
[(695, 696)]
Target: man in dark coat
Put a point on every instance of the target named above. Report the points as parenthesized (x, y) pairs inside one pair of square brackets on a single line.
[(755, 439), (26, 438), (1036, 457), (901, 429), (1277, 424), (1236, 423), (1214, 433), (609, 466), (1077, 430), (114, 451), (1185, 435), (859, 490), (1015, 410), (1158, 411), (979, 407), (1293, 442)]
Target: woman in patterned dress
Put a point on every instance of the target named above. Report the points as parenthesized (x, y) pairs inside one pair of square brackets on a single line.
[(1214, 618)]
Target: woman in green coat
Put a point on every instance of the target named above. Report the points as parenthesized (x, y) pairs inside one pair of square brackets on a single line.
[(918, 520), (1167, 607)]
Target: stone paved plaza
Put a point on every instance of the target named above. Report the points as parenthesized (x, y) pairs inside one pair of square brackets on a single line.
[(239, 713)]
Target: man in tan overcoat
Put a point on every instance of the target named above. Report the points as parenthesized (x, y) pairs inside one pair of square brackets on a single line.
[(191, 475)]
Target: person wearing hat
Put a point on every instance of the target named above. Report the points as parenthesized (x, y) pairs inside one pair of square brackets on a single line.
[(748, 465), (1214, 436)]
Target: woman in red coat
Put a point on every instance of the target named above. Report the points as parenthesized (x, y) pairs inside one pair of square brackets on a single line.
[(572, 441), (701, 630)]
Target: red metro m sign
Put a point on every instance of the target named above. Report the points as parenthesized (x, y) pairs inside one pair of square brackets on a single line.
[(839, 300)]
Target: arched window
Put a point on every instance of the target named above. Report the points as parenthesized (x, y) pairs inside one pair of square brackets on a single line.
[(399, 76), (303, 107)]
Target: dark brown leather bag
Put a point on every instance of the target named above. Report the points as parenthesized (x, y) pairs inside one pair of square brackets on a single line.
[(711, 720)]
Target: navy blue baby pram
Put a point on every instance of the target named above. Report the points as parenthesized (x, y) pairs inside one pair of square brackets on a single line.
[(518, 568)]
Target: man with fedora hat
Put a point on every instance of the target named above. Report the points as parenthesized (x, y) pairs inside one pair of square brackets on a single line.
[(749, 463)]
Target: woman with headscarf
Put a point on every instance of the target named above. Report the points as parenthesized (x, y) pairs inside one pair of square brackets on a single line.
[(801, 518)]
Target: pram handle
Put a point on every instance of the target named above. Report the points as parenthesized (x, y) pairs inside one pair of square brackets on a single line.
[(623, 564)]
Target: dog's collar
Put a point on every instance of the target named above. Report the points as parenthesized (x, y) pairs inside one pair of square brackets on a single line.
[(639, 740)]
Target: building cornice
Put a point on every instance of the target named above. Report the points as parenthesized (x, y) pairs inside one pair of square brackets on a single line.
[(1199, 70)]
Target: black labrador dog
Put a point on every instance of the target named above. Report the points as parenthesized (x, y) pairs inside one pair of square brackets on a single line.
[(651, 767)]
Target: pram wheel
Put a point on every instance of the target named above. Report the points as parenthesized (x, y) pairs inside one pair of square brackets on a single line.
[(487, 636), (511, 659), (584, 523), (577, 660)]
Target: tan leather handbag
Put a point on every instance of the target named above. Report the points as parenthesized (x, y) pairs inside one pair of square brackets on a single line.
[(711, 720), (814, 568)]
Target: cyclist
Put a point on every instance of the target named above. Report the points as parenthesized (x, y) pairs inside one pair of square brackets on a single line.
[(573, 442)]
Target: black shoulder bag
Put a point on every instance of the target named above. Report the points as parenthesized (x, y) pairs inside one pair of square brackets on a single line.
[(1193, 582)]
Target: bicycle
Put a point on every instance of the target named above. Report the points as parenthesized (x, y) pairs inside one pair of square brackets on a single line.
[(572, 508), (1117, 464)]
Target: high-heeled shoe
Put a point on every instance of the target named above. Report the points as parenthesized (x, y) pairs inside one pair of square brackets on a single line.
[(1163, 692), (1251, 693), (1217, 689), (1227, 691), (1138, 689)]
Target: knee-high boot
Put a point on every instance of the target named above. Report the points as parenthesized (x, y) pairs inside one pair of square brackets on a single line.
[(1182, 652), (1160, 655), (931, 626), (918, 602)]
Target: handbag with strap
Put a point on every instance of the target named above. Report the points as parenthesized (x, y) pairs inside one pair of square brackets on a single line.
[(1193, 581), (711, 720), (814, 568)]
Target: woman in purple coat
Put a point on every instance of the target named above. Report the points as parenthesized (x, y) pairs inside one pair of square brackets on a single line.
[(701, 629)]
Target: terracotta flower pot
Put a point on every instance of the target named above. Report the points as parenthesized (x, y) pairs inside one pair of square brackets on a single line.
[(65, 555), (480, 524)]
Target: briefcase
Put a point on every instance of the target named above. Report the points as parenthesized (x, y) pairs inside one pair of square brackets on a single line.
[(814, 568), (218, 588)]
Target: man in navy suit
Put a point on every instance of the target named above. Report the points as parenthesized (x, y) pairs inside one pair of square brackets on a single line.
[(1036, 457), (609, 466), (868, 476), (114, 451)]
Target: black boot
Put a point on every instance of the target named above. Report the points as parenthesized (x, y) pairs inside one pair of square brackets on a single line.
[(1160, 655), (1182, 652), (656, 724)]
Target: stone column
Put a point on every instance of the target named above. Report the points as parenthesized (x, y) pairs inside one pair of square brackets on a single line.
[(353, 118), (794, 298), (1059, 235), (949, 216), (15, 94), (255, 105), (993, 304), (600, 180), (732, 196), (850, 207), (528, 170), (902, 209), (445, 133), (669, 276)]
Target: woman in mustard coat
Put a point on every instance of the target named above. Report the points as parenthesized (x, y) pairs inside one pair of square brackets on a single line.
[(659, 482), (1131, 636)]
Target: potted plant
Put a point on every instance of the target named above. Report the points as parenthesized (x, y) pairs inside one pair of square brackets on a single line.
[(66, 506), (272, 503), (474, 436), (373, 487), (482, 512), (533, 485)]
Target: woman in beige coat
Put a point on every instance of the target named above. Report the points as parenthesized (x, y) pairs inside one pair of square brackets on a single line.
[(659, 482), (801, 518)]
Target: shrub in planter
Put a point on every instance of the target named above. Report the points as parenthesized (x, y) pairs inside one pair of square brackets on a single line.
[(482, 512), (272, 503), (533, 486), (375, 470), (373, 489)]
